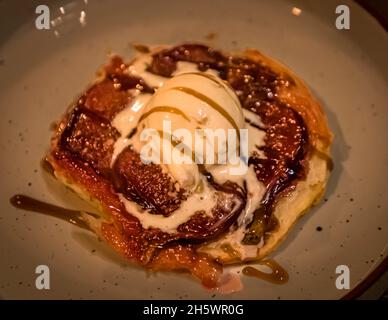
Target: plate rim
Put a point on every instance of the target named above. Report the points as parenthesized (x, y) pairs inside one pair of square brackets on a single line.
[(382, 267)]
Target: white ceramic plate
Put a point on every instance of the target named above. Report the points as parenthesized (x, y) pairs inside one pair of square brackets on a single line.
[(41, 73)]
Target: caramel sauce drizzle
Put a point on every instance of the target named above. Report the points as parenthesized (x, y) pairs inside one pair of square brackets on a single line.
[(211, 103), (277, 276), (24, 202), (163, 109), (224, 83)]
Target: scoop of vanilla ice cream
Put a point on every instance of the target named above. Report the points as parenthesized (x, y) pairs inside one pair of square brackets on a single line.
[(194, 101)]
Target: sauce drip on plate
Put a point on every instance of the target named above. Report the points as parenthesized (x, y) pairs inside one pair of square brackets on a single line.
[(30, 204), (277, 275)]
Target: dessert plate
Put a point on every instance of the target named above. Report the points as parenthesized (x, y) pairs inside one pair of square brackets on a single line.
[(43, 70)]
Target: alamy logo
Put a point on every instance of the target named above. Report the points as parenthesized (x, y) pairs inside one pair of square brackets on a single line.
[(42, 281), (47, 19), (42, 21), (342, 281), (343, 20)]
